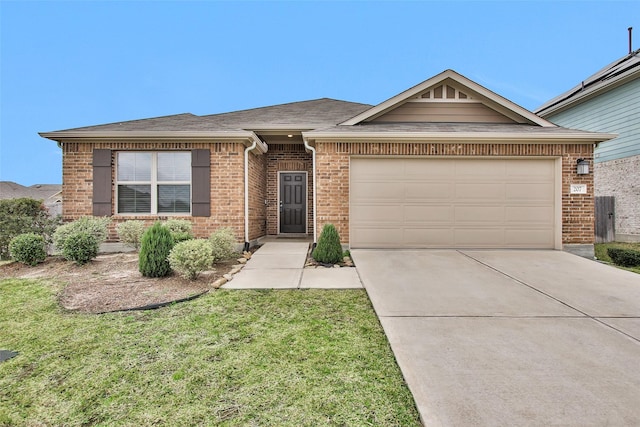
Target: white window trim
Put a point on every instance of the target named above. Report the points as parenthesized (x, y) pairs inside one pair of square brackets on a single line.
[(154, 186)]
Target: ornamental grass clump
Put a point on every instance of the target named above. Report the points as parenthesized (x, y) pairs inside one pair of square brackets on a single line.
[(28, 248), (80, 247), (328, 250), (223, 243), (155, 246), (191, 257)]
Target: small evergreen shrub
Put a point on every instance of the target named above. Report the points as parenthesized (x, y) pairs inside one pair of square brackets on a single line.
[(223, 243), (191, 257), (24, 215), (328, 250), (29, 249), (624, 257), (155, 246), (181, 229), (80, 247), (96, 226), (130, 233)]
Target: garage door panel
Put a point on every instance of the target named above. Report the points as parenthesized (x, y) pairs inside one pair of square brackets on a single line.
[(418, 237), (530, 214), (470, 203), (428, 214), (481, 191), (479, 214), (416, 191), (530, 191)]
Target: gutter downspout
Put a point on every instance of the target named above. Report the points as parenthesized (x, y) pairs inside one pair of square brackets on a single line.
[(315, 215), (246, 193)]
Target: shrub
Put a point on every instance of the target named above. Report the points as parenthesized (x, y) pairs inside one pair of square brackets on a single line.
[(29, 248), (20, 216), (328, 249), (130, 233), (191, 257), (223, 243), (624, 257), (96, 226), (80, 247), (155, 246), (181, 229)]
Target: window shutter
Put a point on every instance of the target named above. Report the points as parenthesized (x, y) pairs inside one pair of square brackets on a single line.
[(102, 182), (201, 183)]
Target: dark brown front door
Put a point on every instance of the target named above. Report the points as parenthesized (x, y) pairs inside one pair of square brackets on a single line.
[(293, 202)]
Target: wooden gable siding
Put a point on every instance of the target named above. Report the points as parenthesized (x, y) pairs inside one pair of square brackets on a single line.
[(617, 111), (444, 112)]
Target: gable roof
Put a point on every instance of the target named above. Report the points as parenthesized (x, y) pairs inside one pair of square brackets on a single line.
[(484, 95), (613, 75)]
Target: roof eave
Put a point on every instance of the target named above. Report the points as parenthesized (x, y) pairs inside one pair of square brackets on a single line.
[(494, 137), (588, 93), (232, 135)]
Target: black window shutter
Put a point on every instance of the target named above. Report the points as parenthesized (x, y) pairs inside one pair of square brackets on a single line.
[(201, 183), (102, 182)]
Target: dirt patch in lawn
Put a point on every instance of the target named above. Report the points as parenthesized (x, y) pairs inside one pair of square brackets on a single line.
[(112, 282)]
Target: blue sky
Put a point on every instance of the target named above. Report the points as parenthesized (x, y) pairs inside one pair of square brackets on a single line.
[(79, 63)]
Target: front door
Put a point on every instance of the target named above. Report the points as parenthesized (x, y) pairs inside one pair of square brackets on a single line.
[(293, 202)]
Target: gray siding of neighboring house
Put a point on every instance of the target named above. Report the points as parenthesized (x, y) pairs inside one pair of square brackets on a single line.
[(617, 111)]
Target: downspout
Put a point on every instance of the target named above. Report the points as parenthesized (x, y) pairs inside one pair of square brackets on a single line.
[(246, 193), (315, 212)]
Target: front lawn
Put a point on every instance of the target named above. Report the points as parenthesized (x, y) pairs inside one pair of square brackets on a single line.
[(229, 358), (601, 252)]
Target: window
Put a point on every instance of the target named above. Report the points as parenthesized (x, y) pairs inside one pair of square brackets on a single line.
[(153, 182)]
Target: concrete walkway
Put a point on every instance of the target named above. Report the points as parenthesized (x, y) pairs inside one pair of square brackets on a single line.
[(510, 338), (280, 265)]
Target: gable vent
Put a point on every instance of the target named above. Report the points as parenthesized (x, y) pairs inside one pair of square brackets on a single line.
[(443, 92)]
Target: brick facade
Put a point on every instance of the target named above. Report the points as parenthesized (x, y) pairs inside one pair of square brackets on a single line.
[(287, 158), (608, 176), (332, 163), (227, 184)]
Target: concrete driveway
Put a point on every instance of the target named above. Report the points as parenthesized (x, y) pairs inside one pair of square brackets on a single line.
[(510, 338)]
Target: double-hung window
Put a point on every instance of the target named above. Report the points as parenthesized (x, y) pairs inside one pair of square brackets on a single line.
[(153, 182)]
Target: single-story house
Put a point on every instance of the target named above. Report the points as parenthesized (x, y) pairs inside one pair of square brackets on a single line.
[(444, 164), (609, 101), (50, 194)]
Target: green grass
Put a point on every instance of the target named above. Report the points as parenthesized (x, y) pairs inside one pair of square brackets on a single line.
[(230, 358), (601, 252)]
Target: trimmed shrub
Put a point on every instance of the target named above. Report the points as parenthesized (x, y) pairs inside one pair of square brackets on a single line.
[(29, 249), (223, 243), (624, 257), (80, 247), (24, 215), (328, 250), (155, 246), (181, 229), (191, 257), (96, 226), (130, 233)]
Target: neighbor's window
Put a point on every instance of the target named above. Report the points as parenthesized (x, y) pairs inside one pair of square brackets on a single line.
[(153, 183)]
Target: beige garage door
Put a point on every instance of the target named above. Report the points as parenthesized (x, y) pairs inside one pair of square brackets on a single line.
[(452, 203)]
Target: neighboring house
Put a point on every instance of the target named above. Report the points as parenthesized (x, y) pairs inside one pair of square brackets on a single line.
[(446, 163), (609, 101), (50, 194)]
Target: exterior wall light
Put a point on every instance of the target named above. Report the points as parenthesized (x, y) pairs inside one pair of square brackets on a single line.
[(583, 167)]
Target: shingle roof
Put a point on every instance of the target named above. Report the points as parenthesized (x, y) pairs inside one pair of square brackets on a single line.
[(12, 190), (304, 114), (627, 67)]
